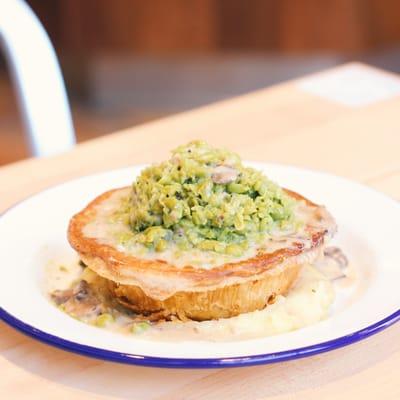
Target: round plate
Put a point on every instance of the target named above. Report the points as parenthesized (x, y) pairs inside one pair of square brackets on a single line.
[(34, 231)]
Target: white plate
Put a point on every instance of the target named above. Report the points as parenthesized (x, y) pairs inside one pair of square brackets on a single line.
[(34, 231)]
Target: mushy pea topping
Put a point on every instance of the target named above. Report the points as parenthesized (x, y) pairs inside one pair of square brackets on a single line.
[(204, 198)]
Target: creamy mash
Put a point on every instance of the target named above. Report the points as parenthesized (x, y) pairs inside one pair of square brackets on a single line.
[(306, 303)]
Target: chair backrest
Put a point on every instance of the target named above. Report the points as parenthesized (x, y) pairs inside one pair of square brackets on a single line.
[(37, 79)]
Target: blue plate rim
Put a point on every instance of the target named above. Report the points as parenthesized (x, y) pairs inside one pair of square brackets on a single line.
[(190, 363)]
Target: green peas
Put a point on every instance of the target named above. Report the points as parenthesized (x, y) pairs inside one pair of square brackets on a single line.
[(237, 188), (161, 245), (234, 250), (207, 245), (139, 327), (239, 222), (104, 320), (203, 198)]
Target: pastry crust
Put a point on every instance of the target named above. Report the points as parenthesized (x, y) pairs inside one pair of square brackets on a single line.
[(223, 302), (155, 286)]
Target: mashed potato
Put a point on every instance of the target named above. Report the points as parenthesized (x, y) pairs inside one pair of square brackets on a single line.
[(307, 302)]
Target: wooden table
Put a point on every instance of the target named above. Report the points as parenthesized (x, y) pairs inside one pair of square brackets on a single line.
[(281, 124)]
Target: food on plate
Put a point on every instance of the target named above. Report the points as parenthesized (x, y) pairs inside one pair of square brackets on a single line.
[(199, 237)]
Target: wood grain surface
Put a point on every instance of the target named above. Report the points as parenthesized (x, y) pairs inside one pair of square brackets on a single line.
[(280, 124)]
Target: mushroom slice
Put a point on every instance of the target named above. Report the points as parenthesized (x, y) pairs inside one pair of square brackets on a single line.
[(334, 263), (79, 302), (223, 174)]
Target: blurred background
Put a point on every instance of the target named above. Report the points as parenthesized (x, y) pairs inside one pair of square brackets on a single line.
[(126, 62)]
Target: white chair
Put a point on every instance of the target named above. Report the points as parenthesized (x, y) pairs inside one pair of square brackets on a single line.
[(37, 79)]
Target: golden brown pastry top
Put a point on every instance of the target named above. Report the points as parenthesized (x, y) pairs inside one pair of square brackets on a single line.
[(160, 279)]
